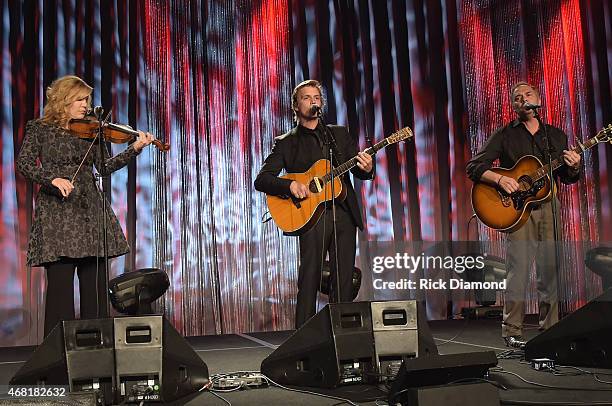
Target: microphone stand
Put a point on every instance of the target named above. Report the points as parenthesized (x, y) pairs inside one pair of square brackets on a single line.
[(101, 174), (330, 142), (548, 150)]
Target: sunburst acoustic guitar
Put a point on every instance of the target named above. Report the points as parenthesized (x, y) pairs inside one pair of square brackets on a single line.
[(296, 216), (508, 212)]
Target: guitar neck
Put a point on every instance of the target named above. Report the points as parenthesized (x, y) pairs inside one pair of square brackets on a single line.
[(348, 165), (558, 162)]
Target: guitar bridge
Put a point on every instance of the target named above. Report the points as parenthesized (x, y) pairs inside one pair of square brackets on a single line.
[(506, 200)]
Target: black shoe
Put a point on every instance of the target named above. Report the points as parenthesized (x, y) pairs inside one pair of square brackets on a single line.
[(515, 342)]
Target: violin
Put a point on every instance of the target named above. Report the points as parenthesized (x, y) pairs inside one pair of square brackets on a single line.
[(115, 133)]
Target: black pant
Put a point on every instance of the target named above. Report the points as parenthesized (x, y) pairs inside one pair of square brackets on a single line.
[(59, 302), (313, 248)]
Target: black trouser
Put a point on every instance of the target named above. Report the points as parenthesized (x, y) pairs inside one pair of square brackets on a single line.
[(59, 303), (313, 247)]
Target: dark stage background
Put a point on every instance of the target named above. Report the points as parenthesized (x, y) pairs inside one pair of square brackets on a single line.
[(214, 80)]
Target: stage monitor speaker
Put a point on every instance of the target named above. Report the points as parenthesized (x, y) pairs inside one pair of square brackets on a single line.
[(400, 330), (90, 356), (583, 338), (439, 370), (338, 346), (78, 354), (47, 365), (461, 394), (154, 363), (143, 358), (334, 347)]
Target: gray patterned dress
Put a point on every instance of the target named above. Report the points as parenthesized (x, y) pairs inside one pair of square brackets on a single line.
[(71, 227)]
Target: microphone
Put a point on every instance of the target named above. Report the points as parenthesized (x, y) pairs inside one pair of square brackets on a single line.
[(530, 106), (315, 109), (98, 111)]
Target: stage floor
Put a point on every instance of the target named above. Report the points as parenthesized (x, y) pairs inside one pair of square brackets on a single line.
[(244, 352)]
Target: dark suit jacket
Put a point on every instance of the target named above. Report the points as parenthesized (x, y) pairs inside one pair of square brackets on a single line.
[(294, 153)]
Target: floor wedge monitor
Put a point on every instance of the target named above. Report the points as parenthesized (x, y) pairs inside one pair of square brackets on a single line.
[(435, 370), (400, 330), (351, 343), (47, 365), (583, 338), (154, 363), (90, 356), (123, 360)]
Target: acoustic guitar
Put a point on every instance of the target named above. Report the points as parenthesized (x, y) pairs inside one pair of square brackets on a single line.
[(296, 216), (508, 212)]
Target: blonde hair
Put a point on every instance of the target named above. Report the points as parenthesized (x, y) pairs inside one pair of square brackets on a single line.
[(306, 83), (60, 94)]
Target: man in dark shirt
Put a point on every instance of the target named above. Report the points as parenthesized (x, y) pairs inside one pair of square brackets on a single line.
[(535, 239), (295, 152)]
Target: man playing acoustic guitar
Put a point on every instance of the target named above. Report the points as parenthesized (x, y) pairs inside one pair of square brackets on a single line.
[(534, 239), (296, 151)]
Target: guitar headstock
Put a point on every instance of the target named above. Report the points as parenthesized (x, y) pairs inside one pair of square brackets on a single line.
[(605, 134), (400, 135)]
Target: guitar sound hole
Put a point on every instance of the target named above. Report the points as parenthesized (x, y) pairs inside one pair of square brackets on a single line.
[(315, 185)]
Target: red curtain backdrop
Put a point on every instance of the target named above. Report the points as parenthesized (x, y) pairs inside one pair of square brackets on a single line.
[(213, 79)]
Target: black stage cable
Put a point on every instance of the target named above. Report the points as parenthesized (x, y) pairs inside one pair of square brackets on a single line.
[(234, 389), (466, 321), (601, 380), (586, 371), (581, 372), (532, 403), (503, 371), (465, 324), (216, 377), (482, 380), (207, 388), (470, 222), (592, 373), (309, 392), (512, 353), (227, 402)]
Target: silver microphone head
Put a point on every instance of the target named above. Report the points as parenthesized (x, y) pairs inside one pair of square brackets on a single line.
[(315, 109), (98, 111), (531, 106)]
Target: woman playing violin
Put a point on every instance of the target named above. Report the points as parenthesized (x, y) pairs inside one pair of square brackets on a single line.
[(66, 231)]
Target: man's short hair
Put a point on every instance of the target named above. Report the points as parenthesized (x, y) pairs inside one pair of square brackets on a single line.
[(306, 83), (523, 83)]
